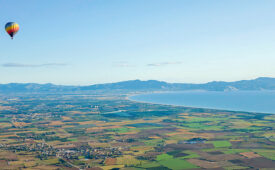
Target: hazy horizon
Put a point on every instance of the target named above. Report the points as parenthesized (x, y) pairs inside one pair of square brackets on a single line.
[(133, 80)]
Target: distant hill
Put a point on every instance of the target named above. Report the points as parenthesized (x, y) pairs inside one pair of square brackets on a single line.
[(33, 87), (262, 83)]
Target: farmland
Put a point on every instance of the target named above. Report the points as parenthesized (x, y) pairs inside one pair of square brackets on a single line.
[(77, 131)]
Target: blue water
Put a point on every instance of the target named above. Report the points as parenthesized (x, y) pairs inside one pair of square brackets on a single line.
[(250, 101)]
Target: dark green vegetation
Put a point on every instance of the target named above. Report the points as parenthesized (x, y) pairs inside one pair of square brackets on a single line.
[(111, 132)]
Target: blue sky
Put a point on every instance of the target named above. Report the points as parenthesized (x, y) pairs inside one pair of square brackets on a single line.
[(83, 42)]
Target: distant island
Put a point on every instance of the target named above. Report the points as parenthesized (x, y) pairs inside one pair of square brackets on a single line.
[(262, 83)]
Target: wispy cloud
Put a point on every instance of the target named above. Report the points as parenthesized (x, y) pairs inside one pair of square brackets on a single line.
[(32, 65), (123, 64), (164, 64)]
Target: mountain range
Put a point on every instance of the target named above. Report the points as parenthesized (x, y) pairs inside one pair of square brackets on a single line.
[(262, 83)]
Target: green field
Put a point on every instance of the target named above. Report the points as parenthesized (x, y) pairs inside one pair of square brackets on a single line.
[(221, 144), (164, 157), (176, 164), (270, 154)]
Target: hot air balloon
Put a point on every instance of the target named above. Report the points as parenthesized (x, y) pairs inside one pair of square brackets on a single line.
[(12, 28)]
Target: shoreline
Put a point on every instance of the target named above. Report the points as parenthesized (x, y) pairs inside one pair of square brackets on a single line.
[(128, 97)]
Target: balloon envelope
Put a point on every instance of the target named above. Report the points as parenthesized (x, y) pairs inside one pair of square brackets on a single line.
[(12, 28)]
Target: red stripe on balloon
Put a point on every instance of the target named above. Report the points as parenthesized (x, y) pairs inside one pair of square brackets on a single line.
[(10, 31), (13, 30)]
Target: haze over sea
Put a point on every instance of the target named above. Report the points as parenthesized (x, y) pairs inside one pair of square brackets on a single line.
[(250, 101)]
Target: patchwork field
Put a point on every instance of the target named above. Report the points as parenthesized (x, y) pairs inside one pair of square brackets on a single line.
[(110, 132)]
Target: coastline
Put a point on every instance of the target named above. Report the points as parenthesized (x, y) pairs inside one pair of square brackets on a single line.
[(129, 97)]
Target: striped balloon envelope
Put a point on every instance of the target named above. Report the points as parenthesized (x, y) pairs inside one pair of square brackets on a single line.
[(12, 28)]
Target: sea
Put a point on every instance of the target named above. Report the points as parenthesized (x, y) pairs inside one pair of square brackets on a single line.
[(247, 101)]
